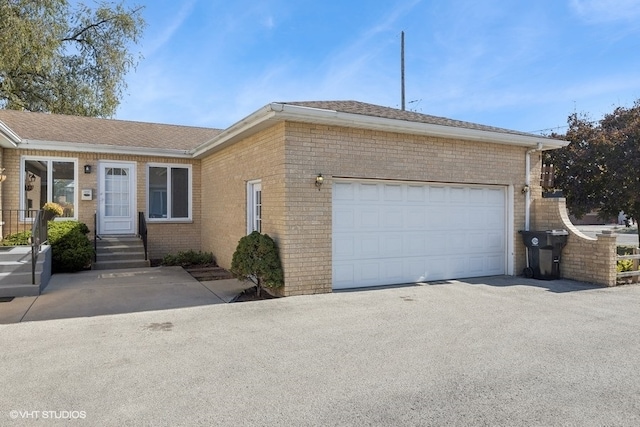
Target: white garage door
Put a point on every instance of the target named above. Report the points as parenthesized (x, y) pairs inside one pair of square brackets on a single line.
[(396, 232)]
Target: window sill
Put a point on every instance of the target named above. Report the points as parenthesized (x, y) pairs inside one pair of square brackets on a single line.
[(168, 221)]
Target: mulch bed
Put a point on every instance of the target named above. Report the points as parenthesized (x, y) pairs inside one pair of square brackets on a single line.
[(204, 273), (252, 295)]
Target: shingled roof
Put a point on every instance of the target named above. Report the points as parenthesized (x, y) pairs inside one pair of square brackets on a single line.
[(372, 110), (119, 133)]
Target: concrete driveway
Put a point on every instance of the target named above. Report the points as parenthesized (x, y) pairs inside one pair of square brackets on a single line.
[(102, 292), (494, 351)]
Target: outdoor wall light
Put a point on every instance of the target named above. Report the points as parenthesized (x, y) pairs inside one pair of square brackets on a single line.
[(525, 189), (3, 177), (319, 181), (87, 168)]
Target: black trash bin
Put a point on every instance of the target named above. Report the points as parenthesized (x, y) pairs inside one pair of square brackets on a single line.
[(544, 250)]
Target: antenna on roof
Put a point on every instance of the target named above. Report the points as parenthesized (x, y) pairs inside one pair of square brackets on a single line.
[(402, 69)]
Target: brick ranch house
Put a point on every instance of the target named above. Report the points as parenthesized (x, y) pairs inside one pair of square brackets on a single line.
[(405, 197)]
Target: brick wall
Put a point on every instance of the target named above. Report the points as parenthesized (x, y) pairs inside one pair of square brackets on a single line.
[(288, 157), (224, 191), (163, 237), (583, 258)]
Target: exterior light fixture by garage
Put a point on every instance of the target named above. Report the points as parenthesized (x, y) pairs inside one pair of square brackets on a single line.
[(87, 168), (319, 181), (3, 177)]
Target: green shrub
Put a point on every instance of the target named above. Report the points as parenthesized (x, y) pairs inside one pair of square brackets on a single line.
[(17, 239), (71, 250), (188, 258), (256, 259)]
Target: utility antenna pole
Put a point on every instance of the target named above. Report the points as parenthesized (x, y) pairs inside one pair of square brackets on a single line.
[(402, 69)]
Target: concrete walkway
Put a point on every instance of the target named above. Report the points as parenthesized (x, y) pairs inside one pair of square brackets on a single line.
[(102, 292)]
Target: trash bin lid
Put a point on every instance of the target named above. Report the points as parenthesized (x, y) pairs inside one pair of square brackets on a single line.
[(558, 232)]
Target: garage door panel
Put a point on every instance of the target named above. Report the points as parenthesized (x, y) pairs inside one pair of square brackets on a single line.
[(457, 242), (476, 265), (344, 219), (343, 246), (343, 191), (393, 193), (392, 245), (415, 218), (392, 218), (370, 219), (369, 192), (458, 195), (437, 194), (369, 247), (494, 265), (415, 194), (386, 233), (343, 275)]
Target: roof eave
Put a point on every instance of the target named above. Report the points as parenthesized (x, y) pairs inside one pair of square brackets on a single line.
[(8, 138), (79, 147), (331, 117), (275, 112), (251, 124)]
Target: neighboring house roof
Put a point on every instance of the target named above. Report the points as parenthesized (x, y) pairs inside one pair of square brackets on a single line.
[(72, 133), (369, 116)]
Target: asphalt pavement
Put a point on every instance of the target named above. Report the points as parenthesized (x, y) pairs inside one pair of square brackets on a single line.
[(502, 351)]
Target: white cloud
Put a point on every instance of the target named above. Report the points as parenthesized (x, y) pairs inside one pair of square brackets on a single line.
[(170, 29)]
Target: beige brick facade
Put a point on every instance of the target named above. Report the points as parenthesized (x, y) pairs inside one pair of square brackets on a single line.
[(165, 237), (285, 147), (288, 156), (583, 258)]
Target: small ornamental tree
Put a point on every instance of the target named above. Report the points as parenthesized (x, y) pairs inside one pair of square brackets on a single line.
[(256, 259)]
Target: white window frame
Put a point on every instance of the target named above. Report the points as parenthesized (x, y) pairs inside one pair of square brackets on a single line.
[(254, 216), (168, 166), (49, 161)]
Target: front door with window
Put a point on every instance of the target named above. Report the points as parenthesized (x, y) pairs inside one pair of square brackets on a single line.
[(117, 195)]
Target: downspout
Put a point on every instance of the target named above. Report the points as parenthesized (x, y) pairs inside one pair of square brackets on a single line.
[(527, 185), (527, 194)]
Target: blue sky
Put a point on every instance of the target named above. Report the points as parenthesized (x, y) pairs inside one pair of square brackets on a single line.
[(516, 64)]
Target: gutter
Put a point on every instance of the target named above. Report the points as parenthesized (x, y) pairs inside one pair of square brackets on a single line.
[(300, 113), (9, 135), (108, 149), (278, 112), (527, 185)]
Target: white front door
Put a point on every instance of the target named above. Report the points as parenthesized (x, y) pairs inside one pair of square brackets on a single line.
[(117, 198)]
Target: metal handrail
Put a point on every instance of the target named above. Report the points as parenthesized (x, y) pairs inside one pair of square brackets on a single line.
[(142, 232), (39, 236), (17, 220)]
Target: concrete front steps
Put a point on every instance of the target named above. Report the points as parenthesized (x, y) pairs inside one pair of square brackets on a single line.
[(119, 252), (15, 271)]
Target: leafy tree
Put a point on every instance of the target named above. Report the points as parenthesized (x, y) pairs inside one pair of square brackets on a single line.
[(600, 168), (57, 59), (256, 259)]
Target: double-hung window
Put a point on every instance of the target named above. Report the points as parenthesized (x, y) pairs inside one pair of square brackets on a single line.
[(46, 179), (168, 192)]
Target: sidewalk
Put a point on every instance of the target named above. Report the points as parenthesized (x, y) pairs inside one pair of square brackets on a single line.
[(101, 292)]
